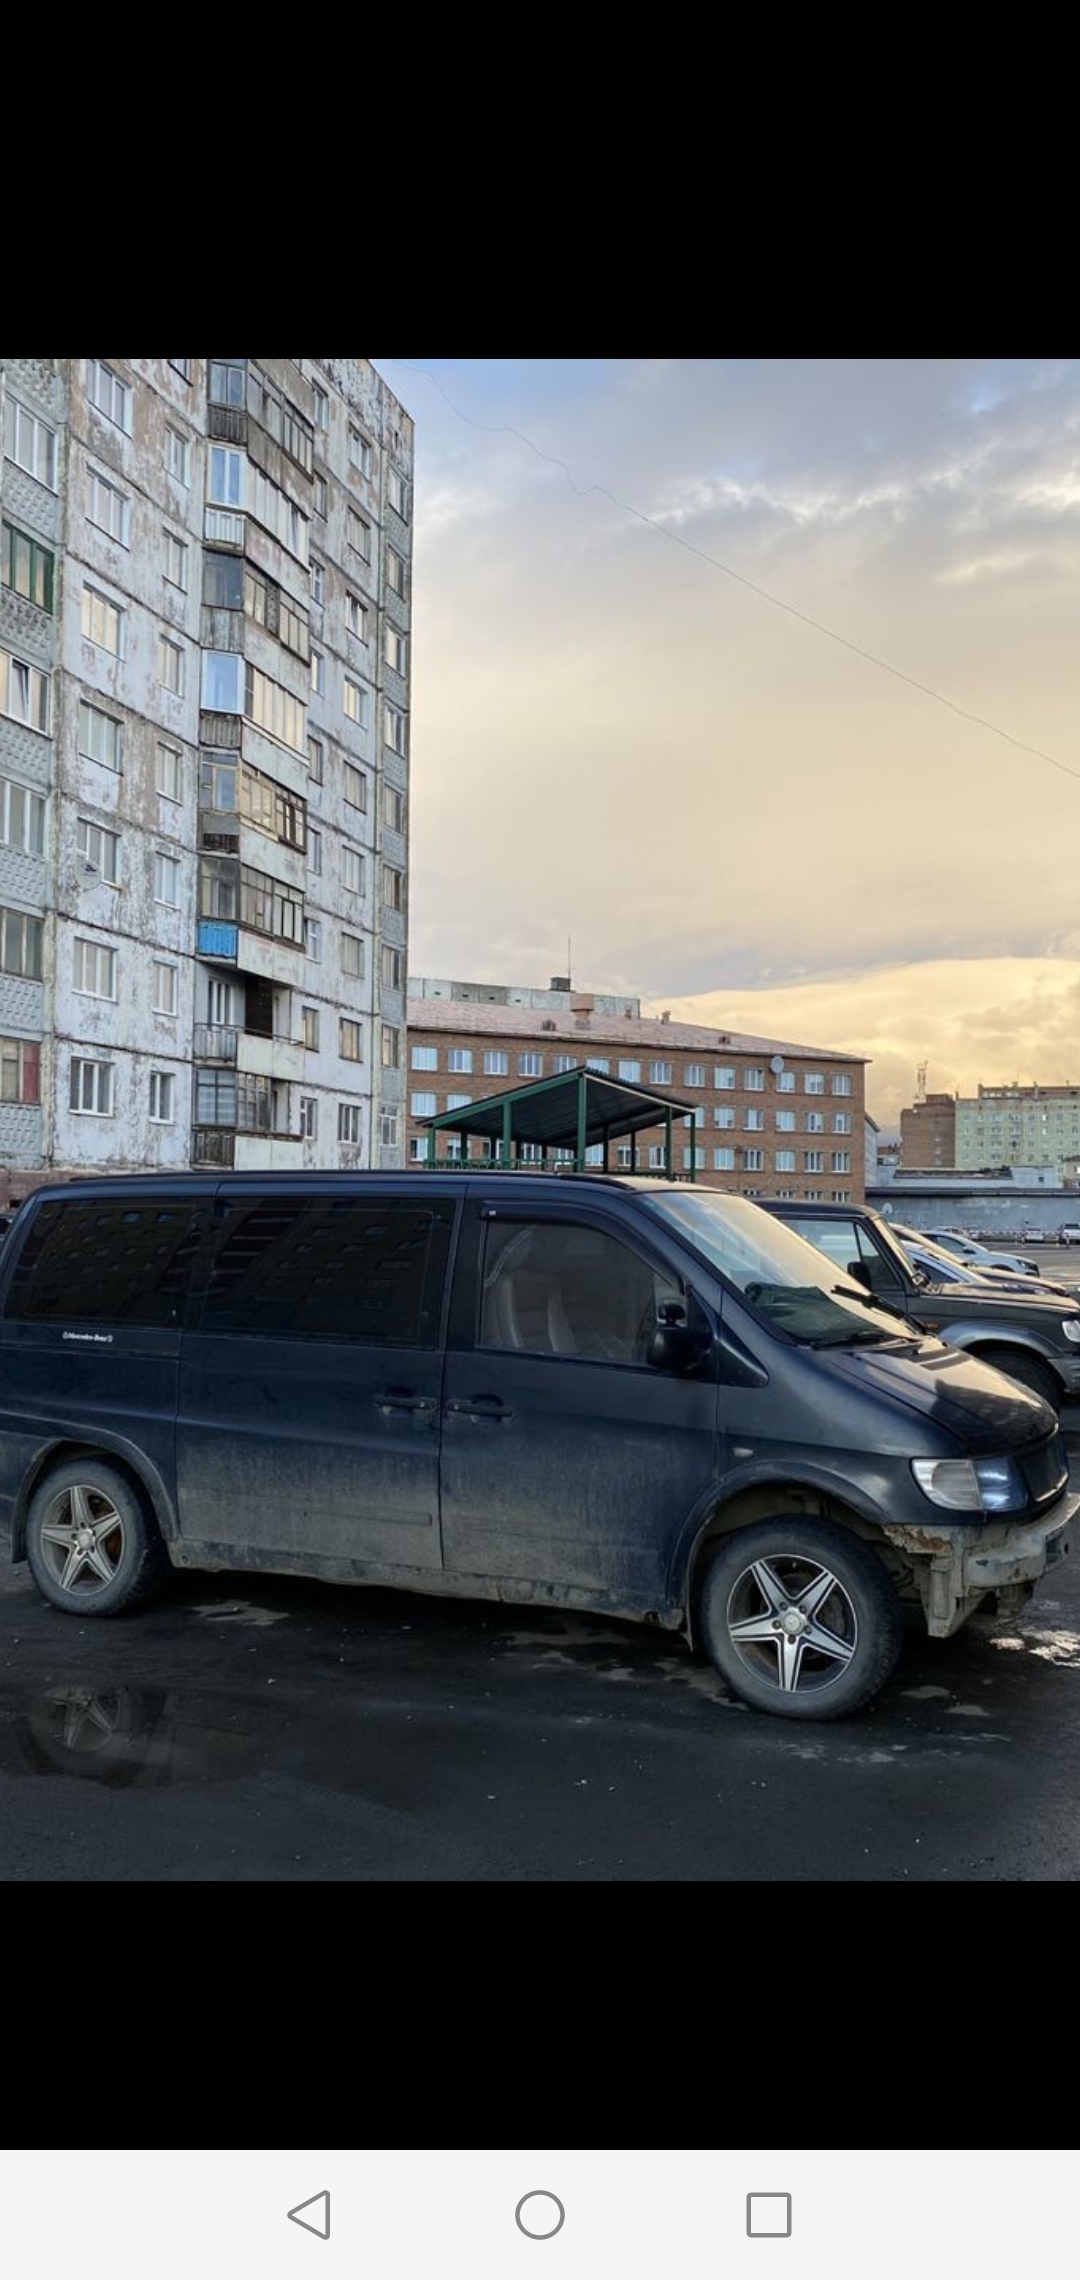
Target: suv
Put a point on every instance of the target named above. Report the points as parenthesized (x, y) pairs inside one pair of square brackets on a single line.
[(637, 1398), (1034, 1338), (978, 1256), (1070, 1233)]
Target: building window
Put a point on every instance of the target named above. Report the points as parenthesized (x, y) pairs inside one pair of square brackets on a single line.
[(841, 1121), (530, 1064), (321, 404), (424, 1057), (109, 394), (91, 1088), (814, 1160), (459, 1060), (724, 1119), (694, 1157), (30, 443), (274, 709), (313, 939), (630, 1072), (841, 1195), (754, 1120), (314, 853), (167, 879), (463, 1100), (24, 692), (785, 1159), (602, 1068), (20, 1071), (694, 1073), (785, 1081), (275, 510), (162, 1097), (352, 957), (349, 1044), (397, 491), (397, 732), (352, 870), (561, 1063), (353, 701), (753, 1159), (422, 1104), (227, 381), (397, 650), (841, 1160), (170, 665), (20, 944), (496, 1064), (393, 807), (359, 451), (356, 616), (22, 817), (389, 1127), (309, 1117), (348, 1123), (175, 562), (99, 851), (225, 477), (222, 681), (318, 584), (391, 1047), (321, 496), (723, 1080), (359, 533), (393, 887), (754, 1080), (318, 673), (102, 621), (168, 771), (223, 581), (395, 572), (660, 1072), (309, 1016), (315, 758), (165, 986), (27, 567), (815, 1121), (355, 786), (95, 970), (841, 1084), (177, 456), (269, 907), (393, 968), (785, 1120), (814, 1082)]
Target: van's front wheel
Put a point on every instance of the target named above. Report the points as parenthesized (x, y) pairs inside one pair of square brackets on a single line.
[(90, 1543), (800, 1618)]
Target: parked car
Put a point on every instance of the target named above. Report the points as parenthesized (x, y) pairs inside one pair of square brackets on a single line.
[(1034, 1339), (940, 1265), (644, 1400), (976, 1254), (1070, 1233)]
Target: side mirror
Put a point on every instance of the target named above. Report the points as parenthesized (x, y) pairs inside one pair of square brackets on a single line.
[(674, 1347)]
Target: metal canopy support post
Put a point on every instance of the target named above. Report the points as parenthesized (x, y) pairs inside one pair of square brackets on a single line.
[(668, 1164), (507, 1127), (581, 1122)]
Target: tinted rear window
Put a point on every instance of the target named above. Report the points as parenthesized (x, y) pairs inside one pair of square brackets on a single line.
[(365, 1270), (107, 1262)]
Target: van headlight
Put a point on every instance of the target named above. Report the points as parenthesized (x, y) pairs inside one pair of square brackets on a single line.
[(966, 1484), (1071, 1328)]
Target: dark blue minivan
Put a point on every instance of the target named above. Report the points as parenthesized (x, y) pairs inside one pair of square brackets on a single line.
[(639, 1398)]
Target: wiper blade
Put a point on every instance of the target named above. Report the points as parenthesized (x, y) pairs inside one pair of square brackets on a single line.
[(866, 1298), (865, 1337)]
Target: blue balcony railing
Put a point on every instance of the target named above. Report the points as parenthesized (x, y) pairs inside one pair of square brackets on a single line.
[(216, 938)]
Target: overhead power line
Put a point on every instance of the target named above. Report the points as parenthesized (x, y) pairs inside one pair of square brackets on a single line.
[(585, 490)]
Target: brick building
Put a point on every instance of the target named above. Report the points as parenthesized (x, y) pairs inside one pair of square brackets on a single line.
[(774, 1118), (928, 1134)]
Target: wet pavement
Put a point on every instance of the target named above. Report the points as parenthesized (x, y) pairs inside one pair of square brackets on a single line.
[(246, 1729)]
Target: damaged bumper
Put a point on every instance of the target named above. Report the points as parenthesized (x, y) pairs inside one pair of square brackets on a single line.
[(955, 1570)]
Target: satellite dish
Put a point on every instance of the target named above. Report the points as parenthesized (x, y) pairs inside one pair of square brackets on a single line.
[(776, 1064)]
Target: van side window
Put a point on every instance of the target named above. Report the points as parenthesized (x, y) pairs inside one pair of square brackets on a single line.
[(107, 1262), (554, 1289), (299, 1267)]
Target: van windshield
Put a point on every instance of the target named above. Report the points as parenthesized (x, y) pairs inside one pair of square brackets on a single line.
[(783, 1279)]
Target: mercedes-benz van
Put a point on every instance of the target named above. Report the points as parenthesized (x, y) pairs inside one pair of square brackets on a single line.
[(639, 1398)]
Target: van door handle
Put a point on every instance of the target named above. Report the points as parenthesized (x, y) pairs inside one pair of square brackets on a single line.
[(399, 1397), (485, 1407)]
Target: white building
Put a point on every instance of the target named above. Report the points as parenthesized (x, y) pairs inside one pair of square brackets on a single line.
[(204, 731)]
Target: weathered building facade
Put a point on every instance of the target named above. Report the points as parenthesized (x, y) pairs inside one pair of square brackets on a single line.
[(204, 751)]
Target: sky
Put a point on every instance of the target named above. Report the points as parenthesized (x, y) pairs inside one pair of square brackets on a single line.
[(728, 812)]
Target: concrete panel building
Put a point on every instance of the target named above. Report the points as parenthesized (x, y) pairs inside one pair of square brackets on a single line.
[(1018, 1124), (204, 748), (773, 1119)]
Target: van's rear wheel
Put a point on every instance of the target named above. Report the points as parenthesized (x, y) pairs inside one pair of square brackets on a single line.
[(800, 1618), (90, 1542)]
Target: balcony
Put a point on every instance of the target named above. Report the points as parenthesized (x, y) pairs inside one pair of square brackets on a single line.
[(217, 938), (213, 1151), (223, 528), (213, 1042)]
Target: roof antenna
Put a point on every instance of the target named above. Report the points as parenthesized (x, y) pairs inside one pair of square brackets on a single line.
[(569, 968)]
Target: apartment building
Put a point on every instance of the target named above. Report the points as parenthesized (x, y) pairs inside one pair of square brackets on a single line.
[(204, 750), (1018, 1124), (928, 1134), (773, 1119)]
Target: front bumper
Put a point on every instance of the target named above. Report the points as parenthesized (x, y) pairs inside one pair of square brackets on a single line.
[(1068, 1368), (955, 1570)]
